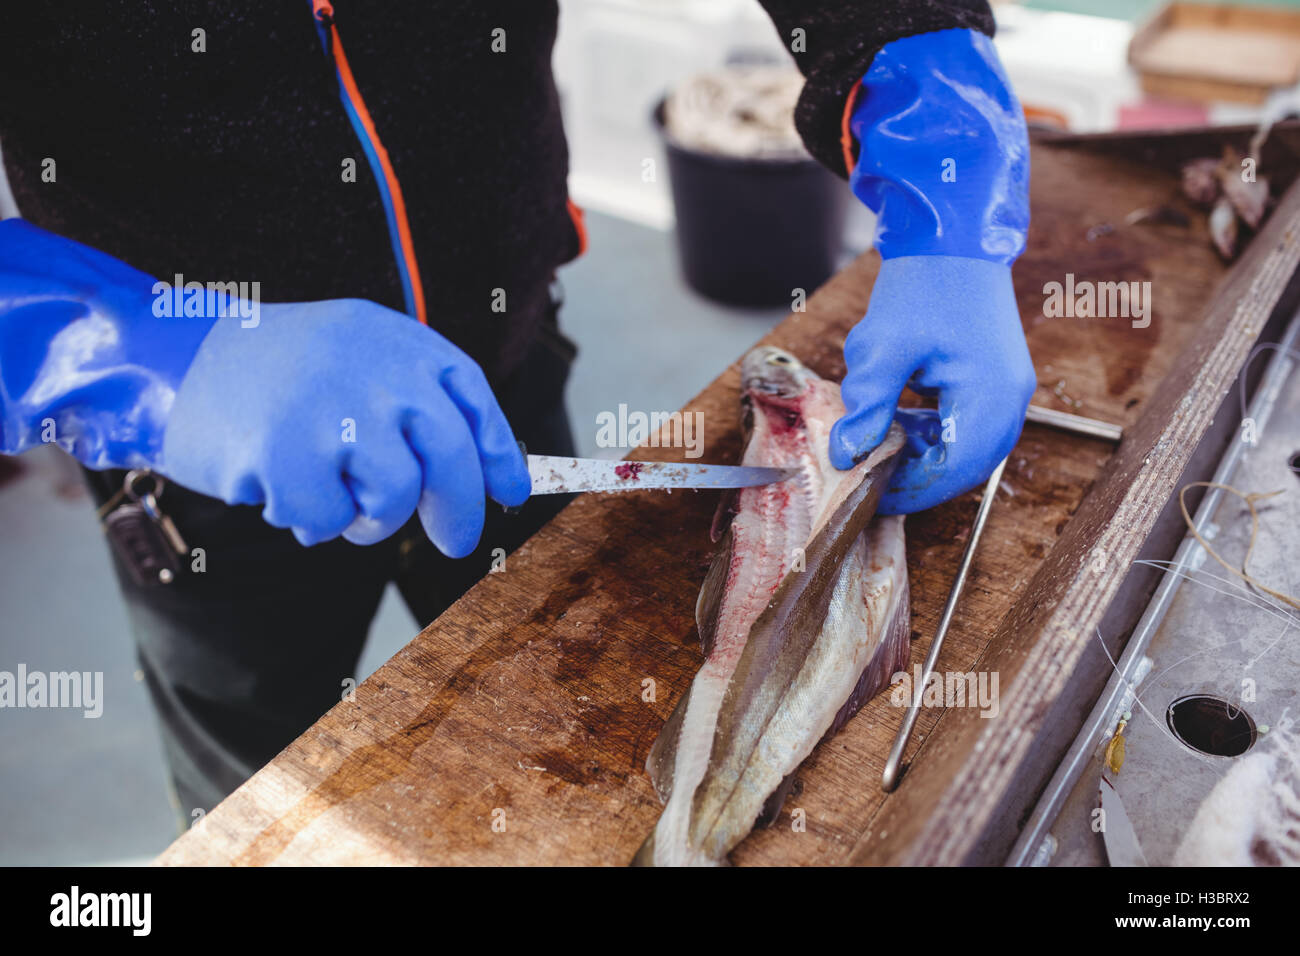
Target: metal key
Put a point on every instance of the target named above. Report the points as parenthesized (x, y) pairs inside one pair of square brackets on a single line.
[(143, 536)]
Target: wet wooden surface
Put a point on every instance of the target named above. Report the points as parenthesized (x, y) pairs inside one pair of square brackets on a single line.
[(515, 728)]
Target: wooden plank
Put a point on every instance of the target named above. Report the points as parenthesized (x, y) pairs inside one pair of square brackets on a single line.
[(524, 705)]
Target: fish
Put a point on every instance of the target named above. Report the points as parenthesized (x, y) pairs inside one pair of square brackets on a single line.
[(1223, 228), (1233, 191), (803, 617), (1248, 195), (1252, 816)]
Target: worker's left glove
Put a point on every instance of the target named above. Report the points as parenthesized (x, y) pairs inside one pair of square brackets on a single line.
[(943, 161)]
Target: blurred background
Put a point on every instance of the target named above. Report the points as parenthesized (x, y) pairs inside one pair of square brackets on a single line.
[(80, 791)]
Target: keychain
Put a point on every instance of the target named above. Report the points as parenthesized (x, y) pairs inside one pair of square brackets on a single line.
[(144, 538)]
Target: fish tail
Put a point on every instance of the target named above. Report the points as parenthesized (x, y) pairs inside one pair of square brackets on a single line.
[(646, 855)]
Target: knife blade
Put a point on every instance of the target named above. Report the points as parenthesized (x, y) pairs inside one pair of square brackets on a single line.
[(1121, 840), (553, 474)]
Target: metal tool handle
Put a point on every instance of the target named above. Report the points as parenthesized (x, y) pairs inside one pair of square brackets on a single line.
[(1075, 424), (894, 765)]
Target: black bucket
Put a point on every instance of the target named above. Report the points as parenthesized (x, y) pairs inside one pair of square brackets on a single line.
[(751, 231)]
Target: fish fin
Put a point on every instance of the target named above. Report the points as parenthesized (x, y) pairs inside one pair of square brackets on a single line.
[(889, 658), (771, 811), (663, 752), (728, 506), (709, 603)]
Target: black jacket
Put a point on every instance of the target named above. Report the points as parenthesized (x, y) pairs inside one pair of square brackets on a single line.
[(226, 165)]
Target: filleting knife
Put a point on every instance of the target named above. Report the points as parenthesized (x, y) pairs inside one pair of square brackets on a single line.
[(552, 474), (1121, 840)]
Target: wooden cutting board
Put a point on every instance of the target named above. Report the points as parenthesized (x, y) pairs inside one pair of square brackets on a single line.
[(515, 728)]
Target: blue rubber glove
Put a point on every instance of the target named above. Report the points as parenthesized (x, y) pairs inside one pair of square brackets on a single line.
[(340, 417), (944, 163)]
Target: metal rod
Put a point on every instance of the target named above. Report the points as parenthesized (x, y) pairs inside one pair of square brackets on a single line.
[(1077, 424), (894, 765)]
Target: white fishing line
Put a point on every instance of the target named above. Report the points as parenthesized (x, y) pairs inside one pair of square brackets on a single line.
[(1137, 699), (1254, 600)]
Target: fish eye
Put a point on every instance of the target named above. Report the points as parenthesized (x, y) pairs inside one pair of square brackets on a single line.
[(778, 359)]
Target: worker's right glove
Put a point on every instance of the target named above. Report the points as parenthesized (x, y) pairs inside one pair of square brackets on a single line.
[(339, 417)]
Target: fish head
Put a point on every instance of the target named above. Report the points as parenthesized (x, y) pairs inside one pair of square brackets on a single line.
[(779, 389), (771, 374)]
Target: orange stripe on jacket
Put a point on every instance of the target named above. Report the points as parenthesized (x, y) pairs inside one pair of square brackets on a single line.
[(320, 7), (846, 131), (579, 224)]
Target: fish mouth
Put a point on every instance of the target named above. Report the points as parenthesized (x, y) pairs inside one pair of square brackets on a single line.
[(768, 372)]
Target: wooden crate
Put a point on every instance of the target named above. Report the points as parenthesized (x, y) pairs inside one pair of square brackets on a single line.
[(1209, 52)]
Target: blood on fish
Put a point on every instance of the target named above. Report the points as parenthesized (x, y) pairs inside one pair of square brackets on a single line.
[(629, 470)]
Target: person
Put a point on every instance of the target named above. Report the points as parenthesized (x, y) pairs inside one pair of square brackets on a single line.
[(342, 224)]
